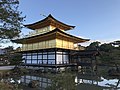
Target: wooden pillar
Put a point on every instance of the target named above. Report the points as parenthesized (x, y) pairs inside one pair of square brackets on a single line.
[(31, 54), (47, 56), (37, 57), (55, 56), (42, 56)]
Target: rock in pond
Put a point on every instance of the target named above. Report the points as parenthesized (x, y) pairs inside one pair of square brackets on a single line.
[(33, 84)]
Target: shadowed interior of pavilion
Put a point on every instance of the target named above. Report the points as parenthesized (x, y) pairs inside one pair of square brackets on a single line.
[(84, 58)]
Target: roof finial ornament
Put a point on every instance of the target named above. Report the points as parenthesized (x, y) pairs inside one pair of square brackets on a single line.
[(43, 15)]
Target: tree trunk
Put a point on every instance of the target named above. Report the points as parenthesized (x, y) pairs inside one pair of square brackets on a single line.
[(117, 67)]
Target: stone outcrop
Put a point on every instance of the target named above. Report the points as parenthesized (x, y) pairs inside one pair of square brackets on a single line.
[(33, 84)]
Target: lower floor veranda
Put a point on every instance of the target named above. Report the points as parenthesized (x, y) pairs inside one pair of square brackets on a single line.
[(47, 56), (57, 57)]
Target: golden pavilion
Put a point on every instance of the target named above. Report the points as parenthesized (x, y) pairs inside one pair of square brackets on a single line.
[(49, 45)]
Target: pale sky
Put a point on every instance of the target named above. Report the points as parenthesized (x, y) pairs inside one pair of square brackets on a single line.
[(94, 19)]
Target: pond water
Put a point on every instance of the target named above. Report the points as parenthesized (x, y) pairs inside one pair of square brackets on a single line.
[(97, 83), (67, 81)]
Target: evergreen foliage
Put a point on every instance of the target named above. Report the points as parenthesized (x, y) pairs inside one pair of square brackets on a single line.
[(109, 53), (10, 19), (64, 81)]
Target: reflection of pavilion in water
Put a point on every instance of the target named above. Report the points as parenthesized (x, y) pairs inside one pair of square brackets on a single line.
[(84, 82), (43, 81)]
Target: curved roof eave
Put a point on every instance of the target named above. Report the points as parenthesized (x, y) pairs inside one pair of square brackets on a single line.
[(55, 30), (49, 16)]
